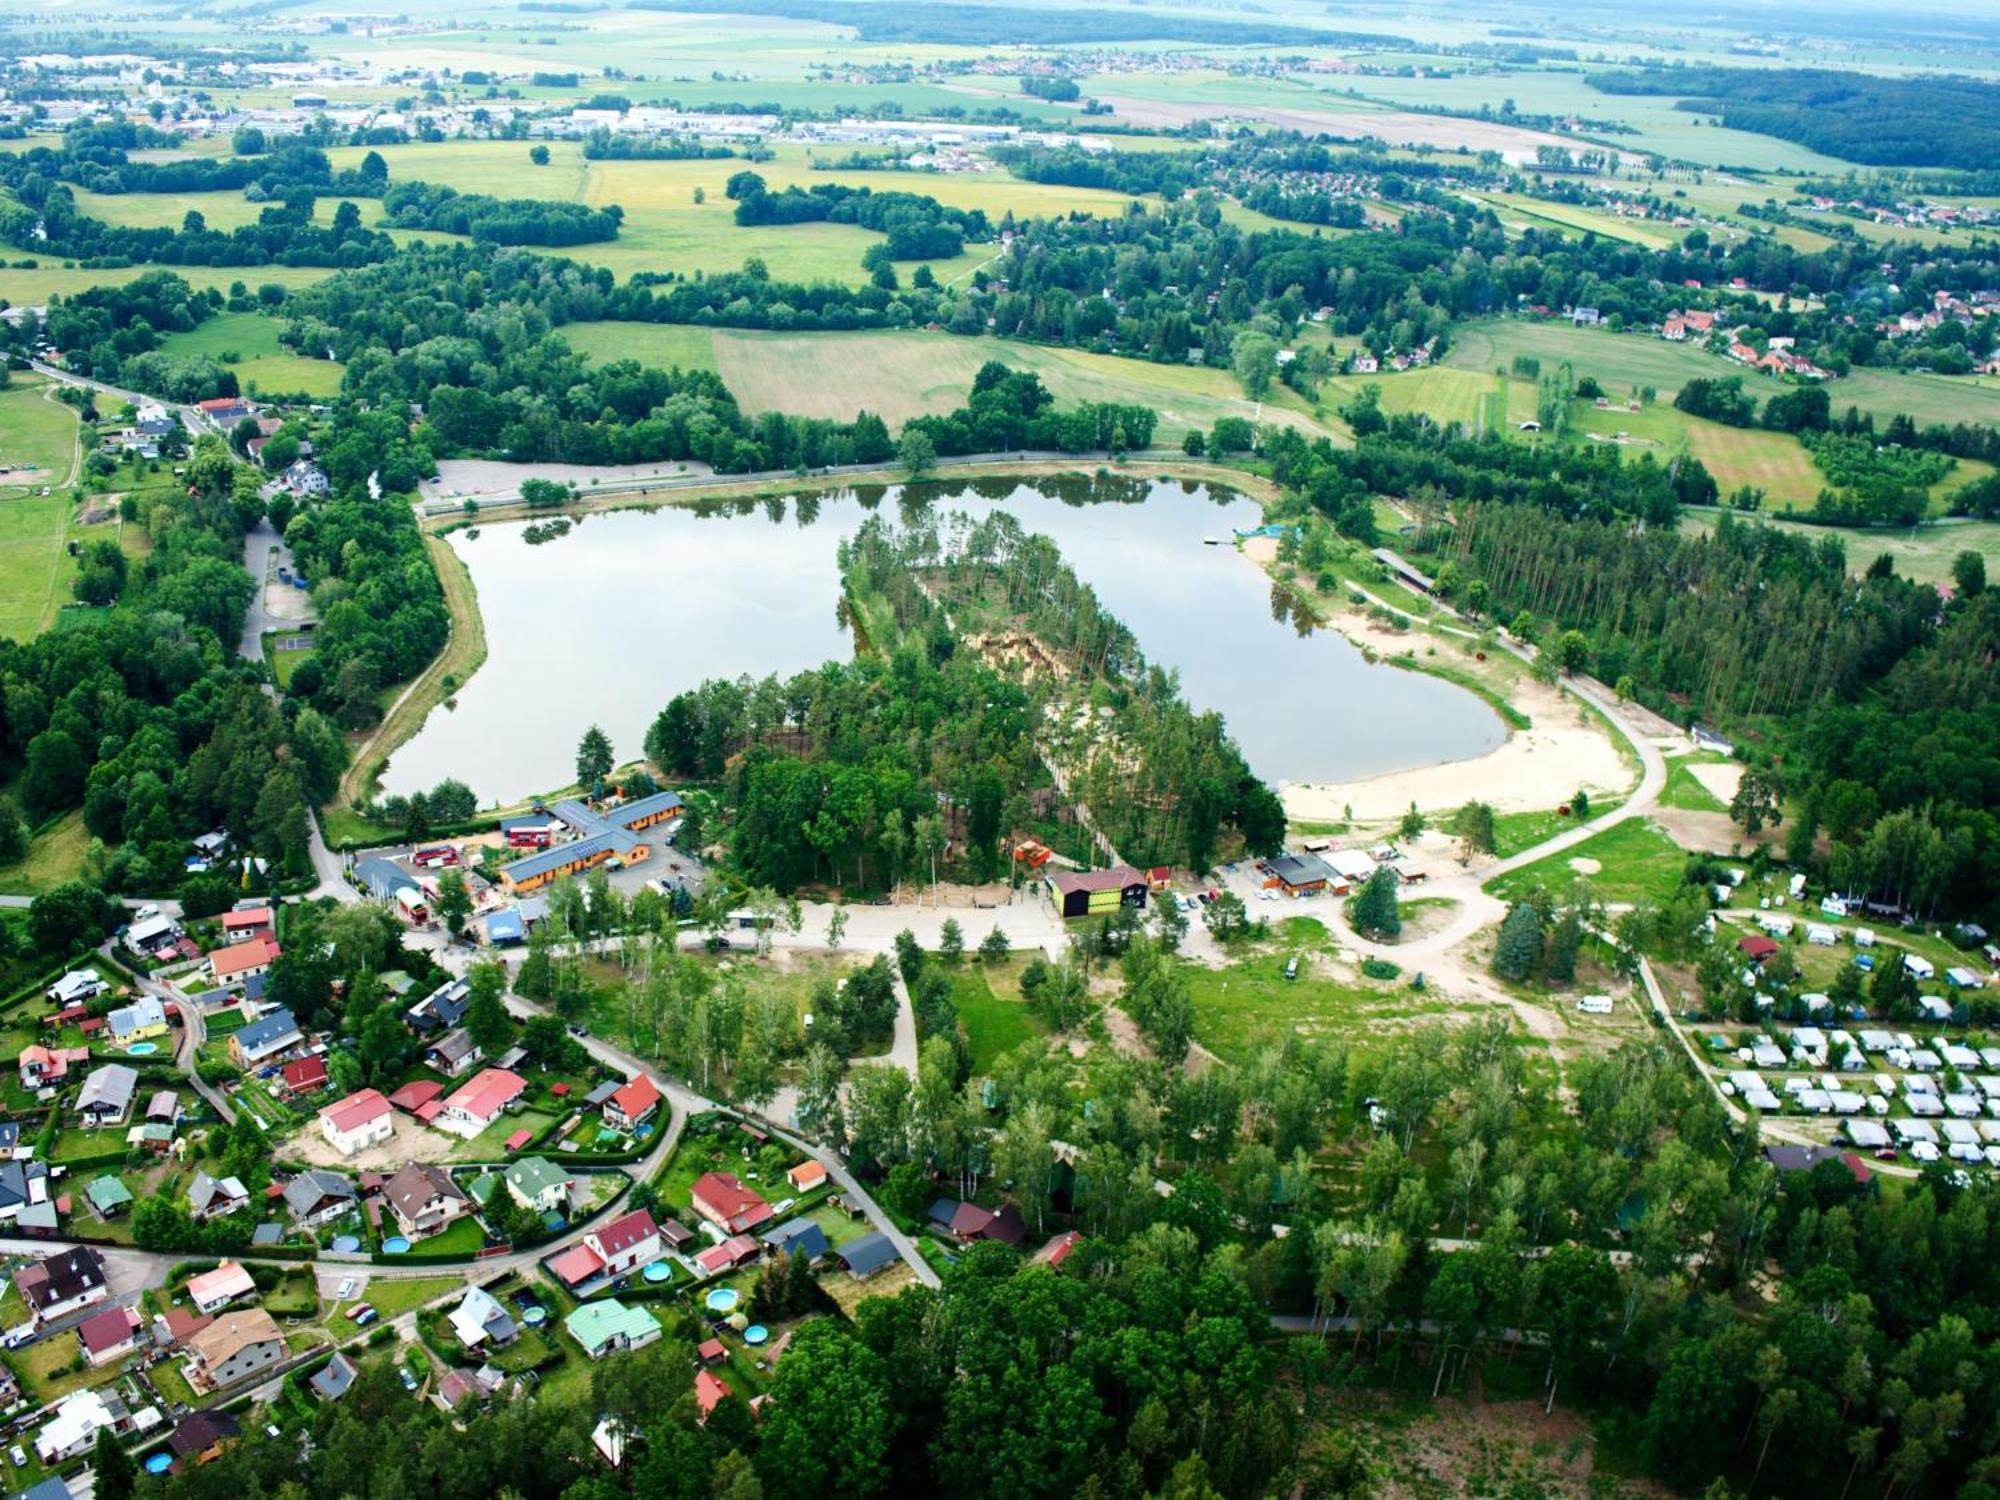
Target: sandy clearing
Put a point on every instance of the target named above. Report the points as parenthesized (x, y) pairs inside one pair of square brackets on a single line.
[(1721, 778), (1398, 127), (1533, 770), (410, 1142), (471, 478), (1584, 865)]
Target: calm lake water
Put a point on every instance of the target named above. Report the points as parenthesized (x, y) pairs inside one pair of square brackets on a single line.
[(606, 624)]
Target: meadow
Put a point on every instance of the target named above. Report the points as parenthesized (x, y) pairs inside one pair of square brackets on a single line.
[(1624, 361), (898, 375), (34, 286), (248, 344), (1924, 553), (1635, 861)]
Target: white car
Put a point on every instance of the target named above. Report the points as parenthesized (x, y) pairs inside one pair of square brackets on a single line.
[(345, 1290)]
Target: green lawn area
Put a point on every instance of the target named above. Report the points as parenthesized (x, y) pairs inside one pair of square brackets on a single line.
[(997, 1019), (463, 1237), (1637, 861), (391, 1297), (295, 1297), (37, 437), (262, 364), (722, 1151), (1250, 1004), (491, 1143), (1684, 791), (54, 856), (35, 567), (170, 1383), (660, 345), (1513, 832), (46, 1373)]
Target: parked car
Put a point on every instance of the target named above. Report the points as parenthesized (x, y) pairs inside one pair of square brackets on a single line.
[(1292, 967), (362, 1314), (577, 1028), (16, 1457)]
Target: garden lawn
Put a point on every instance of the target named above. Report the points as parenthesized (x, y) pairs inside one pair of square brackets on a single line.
[(391, 1297), (1638, 863), (997, 1019), (44, 1368), (463, 1237), (490, 1144), (1250, 1004)]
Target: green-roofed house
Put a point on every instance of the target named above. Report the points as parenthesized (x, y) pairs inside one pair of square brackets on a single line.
[(608, 1326), (539, 1184), (107, 1196)]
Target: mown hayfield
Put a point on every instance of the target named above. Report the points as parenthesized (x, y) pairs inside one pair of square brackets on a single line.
[(1445, 395), (261, 363), (1774, 462), (35, 569), (660, 345), (900, 375), (37, 438), (1575, 219)]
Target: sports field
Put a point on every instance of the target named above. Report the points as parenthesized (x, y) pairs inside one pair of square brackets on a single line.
[(1624, 360), (263, 366)]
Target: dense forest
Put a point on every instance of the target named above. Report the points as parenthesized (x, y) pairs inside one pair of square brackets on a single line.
[(1917, 121), (915, 226), (499, 221), (960, 25)]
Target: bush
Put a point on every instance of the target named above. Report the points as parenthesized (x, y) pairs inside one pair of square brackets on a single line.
[(1379, 968)]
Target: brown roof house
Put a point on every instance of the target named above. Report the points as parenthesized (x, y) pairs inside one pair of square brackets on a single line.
[(424, 1199), (234, 1347)]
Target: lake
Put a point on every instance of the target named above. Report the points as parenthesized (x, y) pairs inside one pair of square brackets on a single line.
[(607, 623)]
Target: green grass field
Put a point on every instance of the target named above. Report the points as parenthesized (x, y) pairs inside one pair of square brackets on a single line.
[(662, 345), (1622, 361), (37, 442), (1574, 219), (35, 568), (1637, 862), (996, 1018), (32, 288), (1249, 1004), (262, 364), (899, 375)]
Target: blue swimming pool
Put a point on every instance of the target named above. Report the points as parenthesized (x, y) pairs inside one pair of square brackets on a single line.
[(395, 1245), (143, 1049)]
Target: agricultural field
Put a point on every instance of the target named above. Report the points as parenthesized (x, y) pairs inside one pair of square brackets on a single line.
[(1518, 210), (34, 287), (248, 344), (661, 345), (899, 375), (666, 229), (1622, 361)]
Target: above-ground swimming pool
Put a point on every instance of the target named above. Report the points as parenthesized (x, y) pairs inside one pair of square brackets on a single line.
[(395, 1245), (756, 1333), (659, 1271), (723, 1299), (142, 1049), (346, 1244)]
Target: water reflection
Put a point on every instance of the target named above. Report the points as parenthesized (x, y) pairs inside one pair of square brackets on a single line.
[(607, 623)]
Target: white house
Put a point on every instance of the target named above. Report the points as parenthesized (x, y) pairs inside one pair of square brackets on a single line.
[(357, 1122)]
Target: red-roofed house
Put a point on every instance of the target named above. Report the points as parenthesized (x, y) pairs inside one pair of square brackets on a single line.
[(305, 1076), (806, 1176), (412, 1097), (112, 1334), (632, 1105), (728, 1255), (625, 1244), (479, 1103), (710, 1391), (1057, 1250), (43, 1067), (241, 926), (727, 1204), (1756, 947), (220, 1287), (710, 1352), (357, 1122), (242, 960)]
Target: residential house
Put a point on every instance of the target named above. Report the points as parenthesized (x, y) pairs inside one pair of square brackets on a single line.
[(106, 1097), (318, 1197), (64, 1283), (140, 1021), (968, 1222), (865, 1256), (725, 1202), (538, 1184), (109, 1335), (234, 1347), (806, 1176), (798, 1237), (164, 1108), (331, 1382), (625, 1244), (442, 1009), (201, 1437), (424, 1199), (239, 961), (107, 1197), (48, 1067), (479, 1102), (305, 1075), (480, 1322), (75, 987), (453, 1053), (151, 936), (212, 1197), (72, 1431), (264, 1038), (214, 1290), (1057, 1250), (357, 1122), (306, 478), (605, 1326), (710, 1391), (632, 1105), (246, 923), (419, 1097)]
